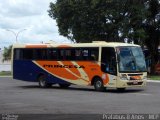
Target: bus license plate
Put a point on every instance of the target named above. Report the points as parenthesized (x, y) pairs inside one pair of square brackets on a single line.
[(135, 82)]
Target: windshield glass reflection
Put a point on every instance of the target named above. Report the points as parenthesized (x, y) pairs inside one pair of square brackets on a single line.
[(131, 59)]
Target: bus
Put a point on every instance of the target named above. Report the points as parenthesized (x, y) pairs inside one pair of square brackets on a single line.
[(100, 64)]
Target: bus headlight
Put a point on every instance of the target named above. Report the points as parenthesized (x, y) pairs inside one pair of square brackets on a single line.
[(123, 77)]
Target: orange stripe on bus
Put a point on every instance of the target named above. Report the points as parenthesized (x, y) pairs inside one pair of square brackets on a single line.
[(61, 72), (69, 70), (92, 69), (36, 46), (64, 46), (75, 71)]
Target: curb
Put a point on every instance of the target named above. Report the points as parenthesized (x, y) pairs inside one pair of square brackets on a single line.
[(156, 81), (5, 76)]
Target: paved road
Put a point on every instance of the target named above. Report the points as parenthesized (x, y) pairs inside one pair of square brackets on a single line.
[(24, 97)]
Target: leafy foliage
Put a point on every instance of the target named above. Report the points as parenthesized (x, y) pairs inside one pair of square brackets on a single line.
[(152, 29), (108, 20), (7, 53)]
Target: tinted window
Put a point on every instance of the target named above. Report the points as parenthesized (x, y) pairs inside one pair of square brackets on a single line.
[(66, 54), (108, 59), (20, 54), (52, 54), (28, 54), (17, 54), (39, 54), (62, 54)]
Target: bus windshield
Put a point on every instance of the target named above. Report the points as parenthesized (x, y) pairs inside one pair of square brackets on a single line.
[(131, 59)]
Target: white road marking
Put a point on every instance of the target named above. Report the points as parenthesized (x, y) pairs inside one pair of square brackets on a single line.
[(145, 94)]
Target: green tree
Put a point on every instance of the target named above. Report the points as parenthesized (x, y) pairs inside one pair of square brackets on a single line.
[(152, 29), (7, 53), (108, 20)]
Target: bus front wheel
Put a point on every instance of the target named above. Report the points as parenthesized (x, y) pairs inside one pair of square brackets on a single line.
[(98, 84), (43, 83)]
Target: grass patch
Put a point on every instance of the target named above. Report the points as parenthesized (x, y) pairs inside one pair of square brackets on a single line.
[(154, 77), (5, 73)]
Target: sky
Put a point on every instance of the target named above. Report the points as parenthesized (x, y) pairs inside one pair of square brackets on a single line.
[(30, 18)]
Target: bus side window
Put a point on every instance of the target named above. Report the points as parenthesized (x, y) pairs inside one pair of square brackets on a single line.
[(78, 54), (68, 54), (17, 54), (39, 54), (27, 54), (52, 54), (108, 60), (61, 54), (94, 54), (85, 54), (23, 54)]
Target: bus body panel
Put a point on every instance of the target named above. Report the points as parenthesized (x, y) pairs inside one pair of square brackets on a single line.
[(73, 72), (30, 71), (64, 72)]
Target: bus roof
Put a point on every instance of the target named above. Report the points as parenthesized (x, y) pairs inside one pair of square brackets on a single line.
[(93, 44)]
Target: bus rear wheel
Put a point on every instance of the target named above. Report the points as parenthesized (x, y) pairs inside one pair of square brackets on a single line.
[(64, 85), (98, 84), (42, 82)]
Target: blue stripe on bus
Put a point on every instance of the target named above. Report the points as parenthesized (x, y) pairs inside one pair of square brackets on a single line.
[(26, 70)]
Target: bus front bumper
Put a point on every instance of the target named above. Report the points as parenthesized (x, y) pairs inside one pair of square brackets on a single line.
[(131, 83)]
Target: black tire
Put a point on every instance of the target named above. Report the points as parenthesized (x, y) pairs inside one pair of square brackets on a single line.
[(121, 89), (64, 85), (98, 84), (43, 83)]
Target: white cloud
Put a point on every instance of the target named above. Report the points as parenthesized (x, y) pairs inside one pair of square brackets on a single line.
[(32, 15), (20, 8)]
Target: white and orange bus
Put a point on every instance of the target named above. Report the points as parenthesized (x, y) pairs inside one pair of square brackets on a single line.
[(101, 64)]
